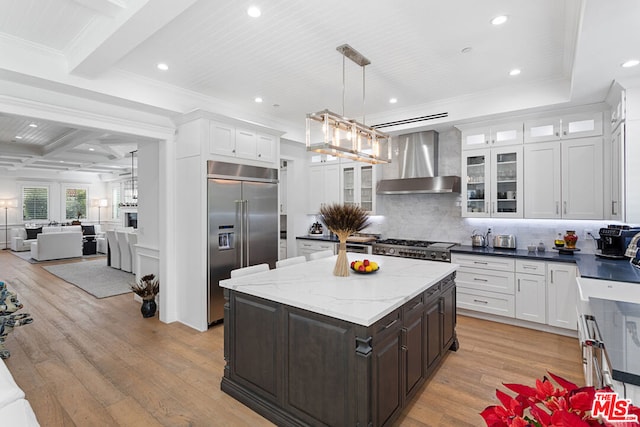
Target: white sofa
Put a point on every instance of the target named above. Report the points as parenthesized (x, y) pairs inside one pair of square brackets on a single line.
[(20, 243), (57, 245), (15, 410)]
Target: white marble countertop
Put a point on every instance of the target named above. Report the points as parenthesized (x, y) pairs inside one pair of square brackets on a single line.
[(360, 298)]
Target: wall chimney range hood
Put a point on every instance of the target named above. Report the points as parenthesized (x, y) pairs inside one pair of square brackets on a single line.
[(414, 168)]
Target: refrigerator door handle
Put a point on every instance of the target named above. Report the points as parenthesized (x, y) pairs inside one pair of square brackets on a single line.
[(245, 231), (240, 237)]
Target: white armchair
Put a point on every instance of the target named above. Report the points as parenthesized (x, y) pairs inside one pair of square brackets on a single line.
[(125, 250), (114, 248), (132, 238)]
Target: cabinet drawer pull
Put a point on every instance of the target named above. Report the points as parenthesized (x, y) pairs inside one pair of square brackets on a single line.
[(480, 262), (518, 285), (557, 208), (391, 324), (415, 305), (530, 267), (479, 280), (479, 300)]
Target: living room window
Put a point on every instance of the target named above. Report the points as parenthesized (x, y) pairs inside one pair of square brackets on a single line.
[(75, 203), (35, 203)]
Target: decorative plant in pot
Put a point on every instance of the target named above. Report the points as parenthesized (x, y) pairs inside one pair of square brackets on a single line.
[(147, 288), (343, 220)]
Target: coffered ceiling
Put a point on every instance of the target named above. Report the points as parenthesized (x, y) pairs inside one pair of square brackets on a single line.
[(427, 54)]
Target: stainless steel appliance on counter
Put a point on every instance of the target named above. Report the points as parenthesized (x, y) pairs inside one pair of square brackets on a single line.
[(435, 251), (242, 223), (614, 240), (504, 241)]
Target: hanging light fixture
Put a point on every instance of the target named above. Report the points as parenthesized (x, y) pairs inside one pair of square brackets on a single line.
[(336, 135)]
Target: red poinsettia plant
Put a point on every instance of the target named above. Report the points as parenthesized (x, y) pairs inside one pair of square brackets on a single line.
[(549, 406)]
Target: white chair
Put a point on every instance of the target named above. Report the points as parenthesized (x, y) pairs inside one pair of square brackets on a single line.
[(245, 271), (290, 261), (114, 258), (125, 251), (132, 238), (321, 254)]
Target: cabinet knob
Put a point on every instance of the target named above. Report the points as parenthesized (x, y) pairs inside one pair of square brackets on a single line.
[(233, 151), (557, 133), (259, 155)]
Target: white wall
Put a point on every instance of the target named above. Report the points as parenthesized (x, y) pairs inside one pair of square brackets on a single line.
[(11, 183)]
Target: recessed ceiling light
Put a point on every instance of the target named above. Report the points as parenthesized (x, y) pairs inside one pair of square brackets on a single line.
[(499, 20), (514, 72), (258, 99), (254, 11), (393, 100), (33, 125), (162, 66), (61, 161), (631, 63), (92, 149), (18, 137)]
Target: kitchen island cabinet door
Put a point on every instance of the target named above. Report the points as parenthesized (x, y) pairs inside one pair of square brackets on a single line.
[(387, 376), (413, 334)]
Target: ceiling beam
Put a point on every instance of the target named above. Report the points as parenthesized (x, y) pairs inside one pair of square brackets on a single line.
[(67, 141), (107, 40), (106, 7)]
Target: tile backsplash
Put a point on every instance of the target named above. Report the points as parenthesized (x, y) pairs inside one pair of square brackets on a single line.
[(438, 217)]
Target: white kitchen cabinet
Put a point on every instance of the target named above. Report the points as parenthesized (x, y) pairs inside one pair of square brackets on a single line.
[(615, 197), (324, 185), (494, 135), (357, 185), (492, 182), (562, 295), (564, 179), (265, 147), (241, 143), (307, 247), (565, 127), (531, 291), (485, 284)]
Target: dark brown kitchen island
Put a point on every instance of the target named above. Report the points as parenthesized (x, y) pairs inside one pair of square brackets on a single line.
[(298, 365)]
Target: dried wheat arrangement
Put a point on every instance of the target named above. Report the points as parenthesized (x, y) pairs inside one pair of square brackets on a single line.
[(343, 220)]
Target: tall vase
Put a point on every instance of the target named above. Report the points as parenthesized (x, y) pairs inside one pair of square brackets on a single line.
[(148, 308), (342, 263)]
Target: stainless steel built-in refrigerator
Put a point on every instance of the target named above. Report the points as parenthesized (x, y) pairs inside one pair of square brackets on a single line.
[(243, 223)]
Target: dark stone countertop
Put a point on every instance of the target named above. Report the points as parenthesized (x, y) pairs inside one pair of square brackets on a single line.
[(589, 265)]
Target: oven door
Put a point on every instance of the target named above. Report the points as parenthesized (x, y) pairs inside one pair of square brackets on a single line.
[(596, 365)]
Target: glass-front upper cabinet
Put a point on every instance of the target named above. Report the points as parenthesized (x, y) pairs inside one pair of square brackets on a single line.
[(357, 186), (492, 183), (475, 179), (507, 183)]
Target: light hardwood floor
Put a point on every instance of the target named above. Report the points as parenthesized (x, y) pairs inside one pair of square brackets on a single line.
[(97, 362)]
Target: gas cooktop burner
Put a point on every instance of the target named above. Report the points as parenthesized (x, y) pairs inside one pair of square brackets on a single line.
[(437, 251), (401, 242)]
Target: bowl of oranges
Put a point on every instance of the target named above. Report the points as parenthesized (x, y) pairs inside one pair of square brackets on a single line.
[(364, 266)]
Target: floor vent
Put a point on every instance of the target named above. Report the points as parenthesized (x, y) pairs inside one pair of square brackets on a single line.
[(412, 120)]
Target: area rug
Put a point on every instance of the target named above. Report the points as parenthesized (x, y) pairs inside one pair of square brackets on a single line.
[(26, 255), (94, 277)]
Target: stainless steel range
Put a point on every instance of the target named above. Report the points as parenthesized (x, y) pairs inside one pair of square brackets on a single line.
[(421, 249)]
